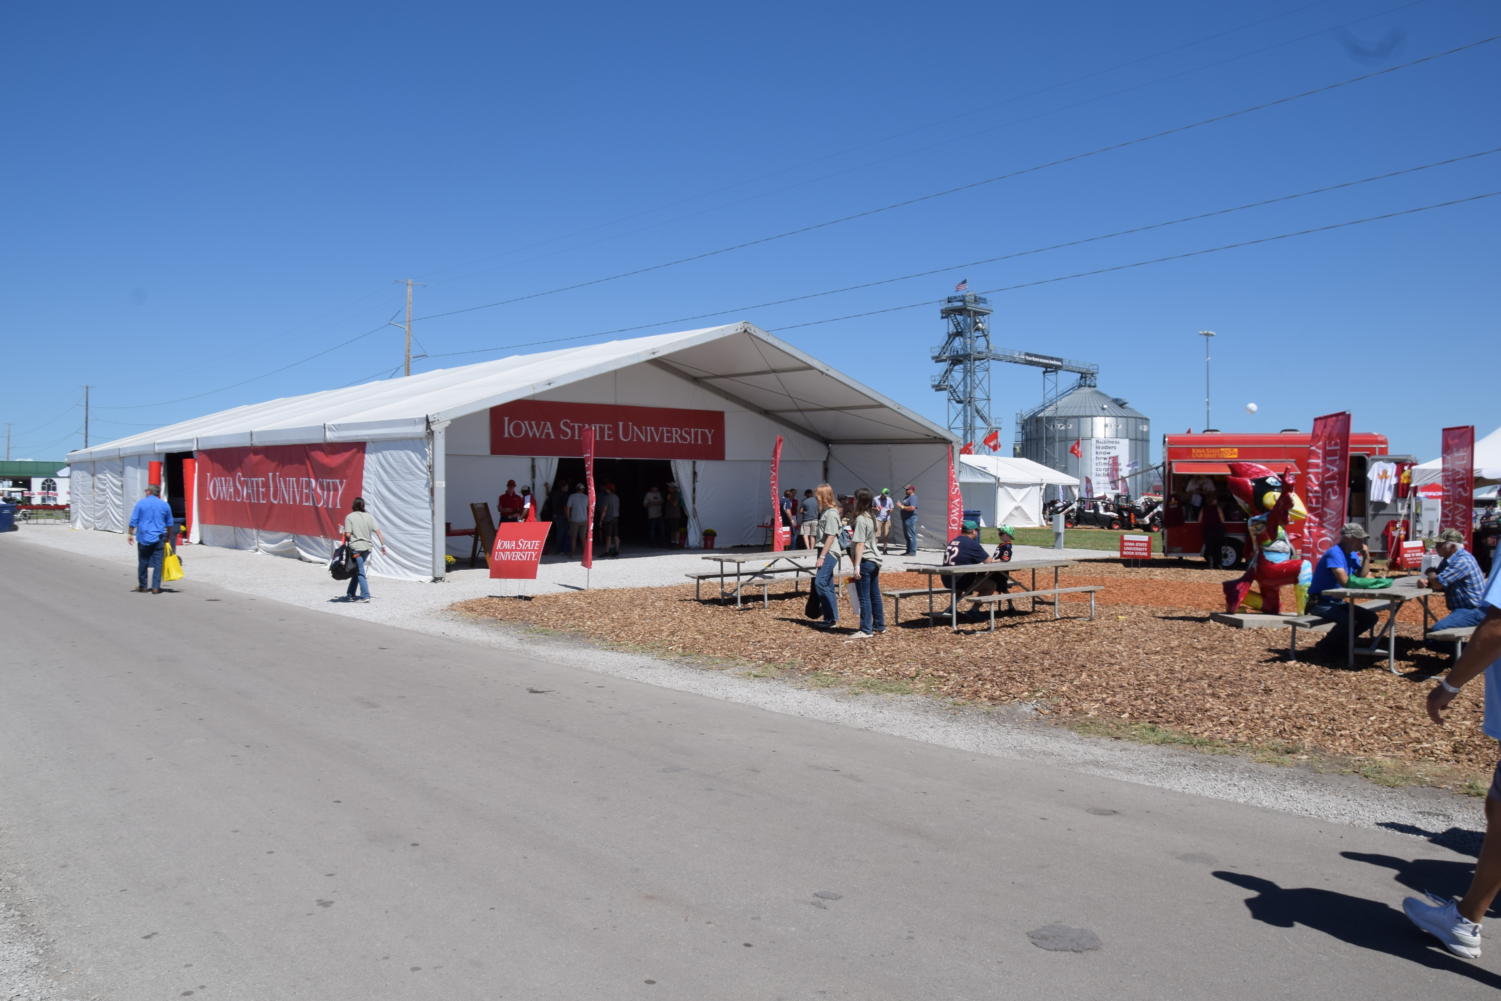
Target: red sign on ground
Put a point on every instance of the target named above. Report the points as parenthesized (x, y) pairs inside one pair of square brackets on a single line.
[(518, 549), (538, 427), (300, 489), (1136, 547)]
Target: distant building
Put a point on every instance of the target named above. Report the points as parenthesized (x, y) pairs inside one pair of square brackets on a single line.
[(29, 482), (1092, 436)]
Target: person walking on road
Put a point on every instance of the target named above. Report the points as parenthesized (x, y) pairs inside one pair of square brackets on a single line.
[(150, 523), (1457, 923), (360, 533), (908, 507)]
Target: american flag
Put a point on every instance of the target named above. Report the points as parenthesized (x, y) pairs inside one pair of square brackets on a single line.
[(963, 286)]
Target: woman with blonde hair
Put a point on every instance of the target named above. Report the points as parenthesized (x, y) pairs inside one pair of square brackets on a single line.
[(829, 551)]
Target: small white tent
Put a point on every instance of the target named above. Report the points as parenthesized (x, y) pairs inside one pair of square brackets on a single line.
[(1487, 463), (1007, 491)]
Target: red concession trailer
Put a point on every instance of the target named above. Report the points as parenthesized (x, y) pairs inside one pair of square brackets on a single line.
[(1193, 461)]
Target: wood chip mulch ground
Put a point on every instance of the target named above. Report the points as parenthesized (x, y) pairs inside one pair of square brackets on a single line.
[(1151, 658)]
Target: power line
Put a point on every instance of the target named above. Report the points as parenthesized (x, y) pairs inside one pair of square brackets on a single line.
[(1159, 260), (1002, 257), (1074, 158)]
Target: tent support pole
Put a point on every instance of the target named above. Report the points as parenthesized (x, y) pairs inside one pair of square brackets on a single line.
[(437, 437)]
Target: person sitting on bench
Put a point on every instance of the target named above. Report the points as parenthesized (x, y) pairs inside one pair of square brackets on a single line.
[(964, 549), (1339, 567), (1459, 577)]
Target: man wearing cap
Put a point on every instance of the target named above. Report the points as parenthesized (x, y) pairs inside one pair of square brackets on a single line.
[(1459, 577), (1456, 924), (609, 520), (884, 505), (510, 504), (908, 506), (1340, 562), (150, 523)]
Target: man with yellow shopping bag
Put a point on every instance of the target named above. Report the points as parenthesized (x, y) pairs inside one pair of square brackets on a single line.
[(150, 523)]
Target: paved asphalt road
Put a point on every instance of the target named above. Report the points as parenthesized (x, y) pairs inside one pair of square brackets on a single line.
[(229, 798)]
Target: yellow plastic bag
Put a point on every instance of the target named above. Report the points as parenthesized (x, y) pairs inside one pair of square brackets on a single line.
[(171, 565)]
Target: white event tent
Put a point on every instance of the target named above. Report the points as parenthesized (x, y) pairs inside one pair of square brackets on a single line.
[(1008, 490), (1487, 461), (701, 408)]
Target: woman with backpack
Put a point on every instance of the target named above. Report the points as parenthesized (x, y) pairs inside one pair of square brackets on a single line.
[(830, 527), (865, 554), (360, 533)]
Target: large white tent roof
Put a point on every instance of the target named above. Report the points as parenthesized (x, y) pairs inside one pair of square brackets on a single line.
[(1487, 463), (739, 362), (1011, 469)]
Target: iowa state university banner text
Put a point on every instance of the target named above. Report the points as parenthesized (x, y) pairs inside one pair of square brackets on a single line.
[(299, 489), (538, 427)]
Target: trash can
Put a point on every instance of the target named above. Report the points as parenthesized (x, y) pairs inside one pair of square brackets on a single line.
[(973, 515), (7, 517)]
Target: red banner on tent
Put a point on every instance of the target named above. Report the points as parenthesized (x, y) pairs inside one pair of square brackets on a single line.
[(1325, 485), (778, 540), (1458, 478), (589, 485), (518, 549), (299, 489), (956, 500), (541, 427)]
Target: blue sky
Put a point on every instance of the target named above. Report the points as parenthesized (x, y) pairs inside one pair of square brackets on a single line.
[(199, 196)]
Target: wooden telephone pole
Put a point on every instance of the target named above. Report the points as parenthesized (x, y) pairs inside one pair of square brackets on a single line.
[(407, 365)]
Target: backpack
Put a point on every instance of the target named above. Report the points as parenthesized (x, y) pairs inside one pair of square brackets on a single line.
[(343, 566)]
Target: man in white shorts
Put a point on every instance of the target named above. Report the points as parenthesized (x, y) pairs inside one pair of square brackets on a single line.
[(883, 505), (1457, 923)]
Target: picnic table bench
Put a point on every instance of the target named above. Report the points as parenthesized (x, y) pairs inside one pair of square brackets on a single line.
[(1389, 600), (1043, 594), (958, 593), (1458, 635), (795, 562), (1261, 620)]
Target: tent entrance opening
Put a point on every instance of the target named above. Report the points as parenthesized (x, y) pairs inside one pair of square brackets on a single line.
[(632, 478)]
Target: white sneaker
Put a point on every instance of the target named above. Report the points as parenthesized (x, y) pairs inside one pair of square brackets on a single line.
[(1441, 919), (858, 636)]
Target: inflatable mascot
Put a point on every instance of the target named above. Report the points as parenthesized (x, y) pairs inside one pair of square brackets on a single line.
[(1270, 504)]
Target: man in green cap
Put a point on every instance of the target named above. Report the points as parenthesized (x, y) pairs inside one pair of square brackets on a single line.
[(883, 505)]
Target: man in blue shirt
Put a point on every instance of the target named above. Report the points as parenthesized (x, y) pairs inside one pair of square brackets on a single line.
[(150, 521), (1457, 923), (908, 507), (1335, 568), (1459, 577)]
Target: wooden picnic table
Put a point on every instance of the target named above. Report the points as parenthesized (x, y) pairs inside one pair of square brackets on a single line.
[(794, 561), (957, 573), (1405, 589)]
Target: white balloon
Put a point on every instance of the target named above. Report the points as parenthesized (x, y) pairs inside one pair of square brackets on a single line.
[(1251, 408)]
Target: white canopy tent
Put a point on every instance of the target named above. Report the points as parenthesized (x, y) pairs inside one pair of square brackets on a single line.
[(428, 442), (1008, 490), (1487, 463)]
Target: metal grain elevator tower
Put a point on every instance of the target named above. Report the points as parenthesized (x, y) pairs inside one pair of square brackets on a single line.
[(965, 356)]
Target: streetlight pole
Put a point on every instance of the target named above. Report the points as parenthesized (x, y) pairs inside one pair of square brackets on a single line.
[(1206, 334)]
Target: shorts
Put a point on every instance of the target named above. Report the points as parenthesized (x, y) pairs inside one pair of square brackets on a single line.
[(808, 529), (610, 526), (1495, 790)]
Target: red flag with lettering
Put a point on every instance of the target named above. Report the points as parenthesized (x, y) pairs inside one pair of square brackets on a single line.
[(589, 483), (956, 501), (993, 441), (1326, 484), (778, 542), (1458, 478)]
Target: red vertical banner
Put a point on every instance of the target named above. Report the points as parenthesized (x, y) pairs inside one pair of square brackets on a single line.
[(189, 492), (956, 500), (1458, 478), (154, 473), (778, 543), (589, 483), (1326, 484)]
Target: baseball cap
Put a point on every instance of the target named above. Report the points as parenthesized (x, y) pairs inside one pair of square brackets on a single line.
[(1451, 535), (911, 487), (885, 490), (510, 483), (1006, 530), (1352, 531), (970, 526)]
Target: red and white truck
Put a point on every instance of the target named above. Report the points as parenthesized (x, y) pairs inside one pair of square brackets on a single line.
[(1190, 459)]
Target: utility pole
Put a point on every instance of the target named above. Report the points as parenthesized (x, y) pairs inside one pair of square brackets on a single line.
[(407, 365), (7, 442), (1206, 334), (85, 417)]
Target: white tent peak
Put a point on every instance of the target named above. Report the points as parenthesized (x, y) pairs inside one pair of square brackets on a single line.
[(1487, 463), (738, 362)]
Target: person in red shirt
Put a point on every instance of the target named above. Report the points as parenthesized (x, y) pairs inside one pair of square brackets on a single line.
[(512, 506)]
